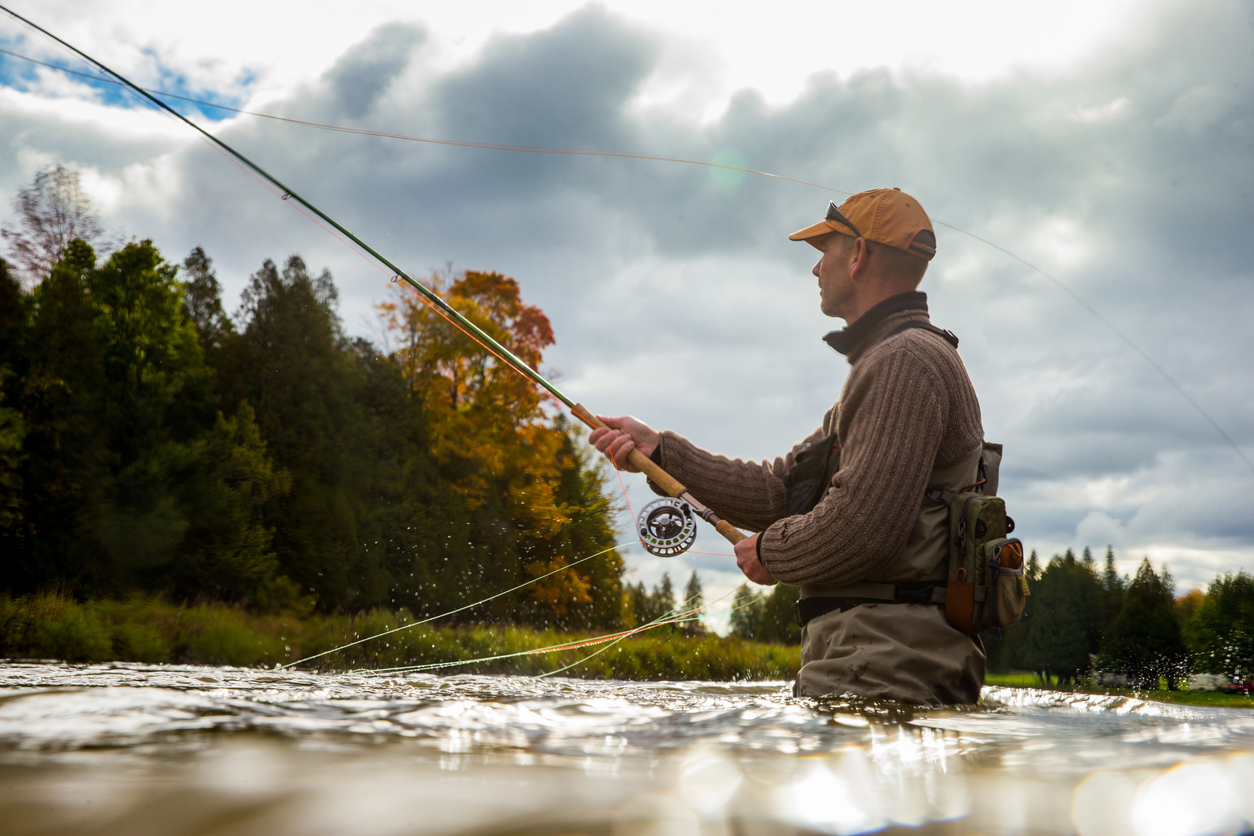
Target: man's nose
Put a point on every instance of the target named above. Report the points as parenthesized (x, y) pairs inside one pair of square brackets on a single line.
[(815, 271)]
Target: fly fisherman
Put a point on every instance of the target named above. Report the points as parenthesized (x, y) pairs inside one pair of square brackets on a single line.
[(845, 514)]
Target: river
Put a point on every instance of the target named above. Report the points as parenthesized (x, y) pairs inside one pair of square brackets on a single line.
[(135, 749)]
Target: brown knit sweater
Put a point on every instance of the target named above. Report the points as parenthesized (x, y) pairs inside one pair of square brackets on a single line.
[(907, 405)]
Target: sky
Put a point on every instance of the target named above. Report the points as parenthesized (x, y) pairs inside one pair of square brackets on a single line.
[(1103, 151)]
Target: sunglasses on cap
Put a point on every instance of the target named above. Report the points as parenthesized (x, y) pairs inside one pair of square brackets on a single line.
[(833, 214)]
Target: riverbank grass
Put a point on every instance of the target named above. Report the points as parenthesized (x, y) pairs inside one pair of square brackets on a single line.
[(1213, 699), (147, 629)]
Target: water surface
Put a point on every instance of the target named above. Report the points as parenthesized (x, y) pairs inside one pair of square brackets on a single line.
[(125, 748)]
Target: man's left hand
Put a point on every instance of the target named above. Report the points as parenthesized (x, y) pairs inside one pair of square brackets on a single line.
[(747, 560)]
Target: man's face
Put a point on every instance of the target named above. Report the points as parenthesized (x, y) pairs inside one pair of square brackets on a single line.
[(835, 282)]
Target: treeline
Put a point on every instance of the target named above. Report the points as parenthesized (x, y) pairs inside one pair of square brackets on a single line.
[(150, 442), (1083, 621), (1086, 621), (644, 607)]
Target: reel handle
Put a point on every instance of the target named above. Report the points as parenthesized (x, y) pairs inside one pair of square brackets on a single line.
[(664, 480)]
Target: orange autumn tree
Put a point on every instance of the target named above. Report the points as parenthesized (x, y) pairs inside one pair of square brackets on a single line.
[(488, 428)]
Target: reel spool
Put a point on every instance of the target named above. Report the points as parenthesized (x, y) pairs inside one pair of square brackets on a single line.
[(667, 527)]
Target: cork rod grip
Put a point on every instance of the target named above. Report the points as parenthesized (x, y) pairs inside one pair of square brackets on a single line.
[(734, 535), (660, 477)]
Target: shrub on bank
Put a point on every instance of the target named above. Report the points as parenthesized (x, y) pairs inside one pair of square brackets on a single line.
[(147, 629)]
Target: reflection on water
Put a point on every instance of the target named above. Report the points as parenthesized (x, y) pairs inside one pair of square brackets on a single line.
[(137, 749)]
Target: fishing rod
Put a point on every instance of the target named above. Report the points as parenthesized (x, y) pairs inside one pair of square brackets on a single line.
[(538, 149), (666, 526)]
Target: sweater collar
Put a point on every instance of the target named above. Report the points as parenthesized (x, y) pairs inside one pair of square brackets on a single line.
[(848, 339)]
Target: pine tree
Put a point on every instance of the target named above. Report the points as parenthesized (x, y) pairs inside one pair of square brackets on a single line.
[(66, 462), (1064, 626), (202, 300), (651, 607), (227, 552), (1145, 640), (1113, 587), (637, 602), (1033, 570), (664, 597)]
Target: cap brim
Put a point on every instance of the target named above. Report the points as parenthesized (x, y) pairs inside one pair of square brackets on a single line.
[(819, 229)]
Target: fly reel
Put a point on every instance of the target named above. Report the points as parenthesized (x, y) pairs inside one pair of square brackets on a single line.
[(667, 527)]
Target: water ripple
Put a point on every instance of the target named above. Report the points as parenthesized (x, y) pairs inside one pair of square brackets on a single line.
[(288, 751)]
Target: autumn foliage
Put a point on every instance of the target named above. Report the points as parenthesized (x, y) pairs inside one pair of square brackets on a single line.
[(488, 424)]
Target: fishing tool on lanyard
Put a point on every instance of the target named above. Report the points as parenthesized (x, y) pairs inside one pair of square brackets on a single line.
[(667, 527)]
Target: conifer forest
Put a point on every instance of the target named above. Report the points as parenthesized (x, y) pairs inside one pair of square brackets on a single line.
[(157, 438)]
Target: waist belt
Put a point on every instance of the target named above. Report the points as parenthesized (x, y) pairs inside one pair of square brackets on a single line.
[(817, 601)]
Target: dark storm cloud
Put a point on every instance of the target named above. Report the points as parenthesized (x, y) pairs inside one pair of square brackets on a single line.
[(567, 86), (361, 75), (676, 296)]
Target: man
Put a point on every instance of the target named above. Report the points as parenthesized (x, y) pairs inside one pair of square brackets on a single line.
[(846, 515)]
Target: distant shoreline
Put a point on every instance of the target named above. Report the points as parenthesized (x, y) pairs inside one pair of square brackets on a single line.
[(1210, 699), (150, 629)]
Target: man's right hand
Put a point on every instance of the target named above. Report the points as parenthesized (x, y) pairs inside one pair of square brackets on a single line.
[(623, 435)]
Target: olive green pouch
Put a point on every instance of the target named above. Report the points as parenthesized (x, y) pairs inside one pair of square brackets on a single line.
[(986, 587)]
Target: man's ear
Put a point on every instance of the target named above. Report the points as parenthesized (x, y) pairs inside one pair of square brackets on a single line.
[(859, 257)]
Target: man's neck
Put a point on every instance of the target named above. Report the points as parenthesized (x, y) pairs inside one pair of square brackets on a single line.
[(870, 299), (846, 340)]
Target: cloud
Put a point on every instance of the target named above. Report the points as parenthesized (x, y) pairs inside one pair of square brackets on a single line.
[(676, 296), (363, 73)]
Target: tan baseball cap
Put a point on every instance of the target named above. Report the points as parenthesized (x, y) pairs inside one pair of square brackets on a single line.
[(885, 216)]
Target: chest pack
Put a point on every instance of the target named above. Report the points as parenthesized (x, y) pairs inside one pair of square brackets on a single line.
[(985, 585)]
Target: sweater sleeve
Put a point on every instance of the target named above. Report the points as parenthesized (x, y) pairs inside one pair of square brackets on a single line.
[(892, 424), (749, 495)]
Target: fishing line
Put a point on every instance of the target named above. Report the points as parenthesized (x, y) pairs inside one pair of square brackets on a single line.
[(539, 149), (614, 638), (687, 617), (657, 622), (665, 618), (1082, 302), (411, 625)]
